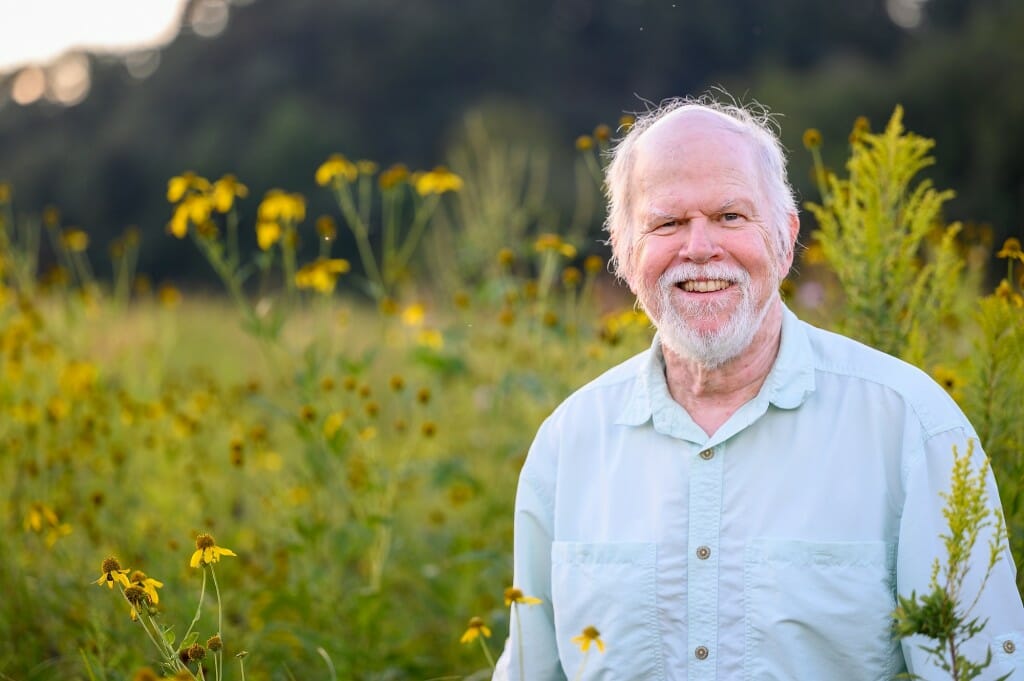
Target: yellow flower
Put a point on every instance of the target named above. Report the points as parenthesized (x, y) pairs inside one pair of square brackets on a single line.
[(112, 573), (321, 274), (207, 552), (413, 315), (626, 122), (78, 378), (593, 264), (584, 143), (75, 240), (437, 181), (224, 192), (169, 296), (602, 133), (552, 242), (195, 209), (475, 629), (147, 584), (279, 206), (393, 176), (366, 167), (589, 635), (1011, 249), (326, 228), (430, 338), (336, 168), (333, 423), (267, 234), (514, 595), (812, 138), (178, 186)]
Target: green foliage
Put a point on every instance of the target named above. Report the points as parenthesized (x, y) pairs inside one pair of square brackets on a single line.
[(873, 228)]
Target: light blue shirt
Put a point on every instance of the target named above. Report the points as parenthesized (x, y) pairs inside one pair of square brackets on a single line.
[(772, 549)]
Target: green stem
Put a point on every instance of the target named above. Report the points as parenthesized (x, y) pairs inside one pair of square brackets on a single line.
[(412, 239), (199, 607), (220, 621), (487, 652)]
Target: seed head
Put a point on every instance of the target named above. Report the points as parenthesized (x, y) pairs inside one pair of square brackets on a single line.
[(196, 652), (136, 595), (205, 541), (110, 564), (214, 643)]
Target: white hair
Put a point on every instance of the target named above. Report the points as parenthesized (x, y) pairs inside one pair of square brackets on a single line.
[(752, 120)]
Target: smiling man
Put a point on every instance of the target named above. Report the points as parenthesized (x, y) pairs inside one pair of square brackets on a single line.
[(745, 499)]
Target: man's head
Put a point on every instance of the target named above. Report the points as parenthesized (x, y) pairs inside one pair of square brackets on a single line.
[(703, 223)]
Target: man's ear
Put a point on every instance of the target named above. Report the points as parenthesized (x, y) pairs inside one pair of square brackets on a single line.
[(794, 232)]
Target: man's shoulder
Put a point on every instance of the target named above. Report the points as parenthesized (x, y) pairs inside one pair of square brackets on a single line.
[(609, 389), (849, 359)]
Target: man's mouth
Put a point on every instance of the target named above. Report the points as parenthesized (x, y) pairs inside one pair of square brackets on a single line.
[(704, 285)]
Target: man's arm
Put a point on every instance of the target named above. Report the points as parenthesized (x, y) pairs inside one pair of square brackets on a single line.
[(530, 651)]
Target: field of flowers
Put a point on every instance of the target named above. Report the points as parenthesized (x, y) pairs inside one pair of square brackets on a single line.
[(312, 475)]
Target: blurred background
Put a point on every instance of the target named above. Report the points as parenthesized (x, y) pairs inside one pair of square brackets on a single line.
[(102, 101)]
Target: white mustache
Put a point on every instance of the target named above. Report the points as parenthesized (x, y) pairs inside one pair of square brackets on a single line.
[(690, 272)]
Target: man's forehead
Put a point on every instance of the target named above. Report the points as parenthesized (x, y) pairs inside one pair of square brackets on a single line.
[(689, 122)]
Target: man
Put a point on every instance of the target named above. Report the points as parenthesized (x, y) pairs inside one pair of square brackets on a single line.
[(745, 499)]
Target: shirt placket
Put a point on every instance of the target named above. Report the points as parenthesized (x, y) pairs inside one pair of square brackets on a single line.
[(705, 481)]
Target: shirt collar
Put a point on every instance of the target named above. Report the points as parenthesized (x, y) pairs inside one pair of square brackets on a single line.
[(788, 384)]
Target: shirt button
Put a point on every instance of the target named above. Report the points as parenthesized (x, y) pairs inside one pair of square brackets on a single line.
[(701, 653), (707, 454), (1009, 647), (703, 552)]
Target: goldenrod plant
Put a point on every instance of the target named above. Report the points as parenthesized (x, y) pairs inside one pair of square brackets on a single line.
[(943, 615)]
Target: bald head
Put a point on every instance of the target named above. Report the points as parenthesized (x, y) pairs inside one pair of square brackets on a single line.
[(679, 127)]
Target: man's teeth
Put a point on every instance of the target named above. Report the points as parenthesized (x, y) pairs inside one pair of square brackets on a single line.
[(705, 286)]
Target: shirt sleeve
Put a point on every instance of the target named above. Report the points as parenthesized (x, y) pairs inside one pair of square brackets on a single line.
[(531, 651), (921, 526)]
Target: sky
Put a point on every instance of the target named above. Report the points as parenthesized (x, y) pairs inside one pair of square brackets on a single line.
[(39, 31)]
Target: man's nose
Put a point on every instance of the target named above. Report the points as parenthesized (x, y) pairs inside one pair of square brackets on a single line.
[(699, 242)]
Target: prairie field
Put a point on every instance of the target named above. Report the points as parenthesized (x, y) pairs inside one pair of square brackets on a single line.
[(316, 458)]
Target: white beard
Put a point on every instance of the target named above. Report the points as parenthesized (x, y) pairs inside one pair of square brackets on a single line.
[(710, 349)]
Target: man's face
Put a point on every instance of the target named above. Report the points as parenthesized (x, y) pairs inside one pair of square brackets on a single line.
[(704, 269)]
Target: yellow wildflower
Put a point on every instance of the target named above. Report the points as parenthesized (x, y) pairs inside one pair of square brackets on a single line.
[(584, 143), (224, 192), (430, 338), (207, 552), (75, 240), (321, 274), (195, 209), (336, 169), (552, 242), (589, 635), (1011, 249), (626, 122), (147, 584), (279, 206), (413, 315), (112, 573), (326, 228), (78, 377), (474, 630), (267, 234), (333, 423), (602, 133), (366, 167), (571, 276), (437, 181), (593, 264), (393, 176), (39, 516), (179, 185), (812, 138), (169, 296), (514, 595)]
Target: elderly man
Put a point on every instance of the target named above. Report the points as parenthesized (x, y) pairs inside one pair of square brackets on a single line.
[(745, 499)]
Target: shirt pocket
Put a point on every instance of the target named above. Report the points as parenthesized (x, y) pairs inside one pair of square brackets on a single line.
[(820, 610), (609, 586)]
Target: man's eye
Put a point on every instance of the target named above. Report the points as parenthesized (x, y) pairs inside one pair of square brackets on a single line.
[(666, 227), (731, 217)]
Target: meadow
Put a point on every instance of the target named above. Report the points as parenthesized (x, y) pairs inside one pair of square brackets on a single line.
[(327, 450)]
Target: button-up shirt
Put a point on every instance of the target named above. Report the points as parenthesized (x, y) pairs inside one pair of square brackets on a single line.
[(773, 548)]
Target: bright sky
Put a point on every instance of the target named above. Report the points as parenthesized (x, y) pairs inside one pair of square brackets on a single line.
[(38, 31)]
